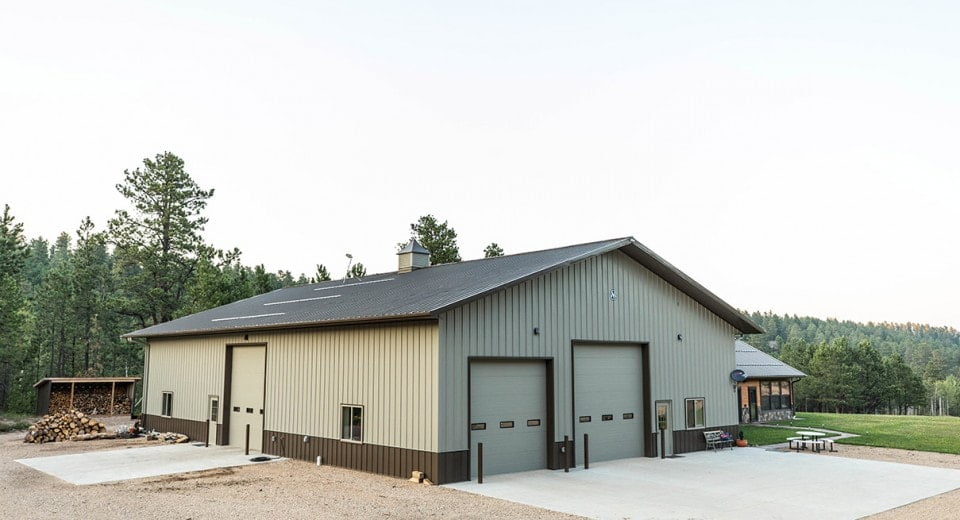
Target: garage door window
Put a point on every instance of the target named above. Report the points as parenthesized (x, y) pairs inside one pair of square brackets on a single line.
[(694, 413), (351, 420)]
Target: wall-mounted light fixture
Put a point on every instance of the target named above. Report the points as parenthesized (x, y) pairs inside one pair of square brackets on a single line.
[(536, 331), (679, 337)]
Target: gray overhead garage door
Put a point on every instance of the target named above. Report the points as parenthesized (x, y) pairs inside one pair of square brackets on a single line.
[(508, 414), (608, 400)]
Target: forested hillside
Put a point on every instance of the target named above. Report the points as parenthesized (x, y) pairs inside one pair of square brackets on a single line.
[(866, 367), (66, 301)]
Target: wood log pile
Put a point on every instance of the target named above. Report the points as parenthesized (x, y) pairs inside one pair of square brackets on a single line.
[(168, 437), (69, 425), (93, 399)]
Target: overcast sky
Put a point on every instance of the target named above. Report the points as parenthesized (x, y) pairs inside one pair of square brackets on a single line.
[(799, 157)]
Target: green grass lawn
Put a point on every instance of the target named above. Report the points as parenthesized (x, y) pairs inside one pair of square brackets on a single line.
[(761, 436), (908, 432)]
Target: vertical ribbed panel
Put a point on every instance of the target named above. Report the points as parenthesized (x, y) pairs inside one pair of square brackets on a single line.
[(191, 368), (390, 370), (573, 304)]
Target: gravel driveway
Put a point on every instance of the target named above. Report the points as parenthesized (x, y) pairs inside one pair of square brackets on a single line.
[(297, 489), (287, 489)]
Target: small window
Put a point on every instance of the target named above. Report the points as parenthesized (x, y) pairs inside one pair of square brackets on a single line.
[(585, 418), (533, 422), (351, 421), (166, 408), (606, 417), (478, 426), (627, 415), (236, 408), (214, 409), (506, 424), (694, 413)]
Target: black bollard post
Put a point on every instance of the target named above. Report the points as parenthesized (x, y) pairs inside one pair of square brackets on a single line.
[(479, 463), (207, 442), (246, 450), (586, 452), (663, 444), (566, 454)]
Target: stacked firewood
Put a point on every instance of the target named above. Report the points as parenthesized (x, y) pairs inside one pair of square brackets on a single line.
[(62, 426), (92, 400)]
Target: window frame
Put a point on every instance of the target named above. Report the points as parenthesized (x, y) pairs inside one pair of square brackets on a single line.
[(703, 413), (351, 407), (166, 403)]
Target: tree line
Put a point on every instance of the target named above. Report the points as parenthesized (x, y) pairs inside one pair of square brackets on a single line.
[(866, 367), (65, 304)]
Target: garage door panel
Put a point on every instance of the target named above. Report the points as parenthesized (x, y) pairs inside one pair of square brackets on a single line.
[(512, 393), (608, 384)]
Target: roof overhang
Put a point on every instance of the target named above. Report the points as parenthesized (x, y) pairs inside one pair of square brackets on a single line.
[(289, 326), (86, 380), (647, 258)]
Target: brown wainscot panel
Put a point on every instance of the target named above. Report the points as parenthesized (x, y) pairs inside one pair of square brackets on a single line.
[(685, 441), (196, 430), (440, 468)]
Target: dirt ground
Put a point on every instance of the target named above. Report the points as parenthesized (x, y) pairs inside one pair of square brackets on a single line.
[(296, 489), (287, 489), (937, 507)]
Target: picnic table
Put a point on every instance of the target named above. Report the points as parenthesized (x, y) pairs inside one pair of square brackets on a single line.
[(811, 439)]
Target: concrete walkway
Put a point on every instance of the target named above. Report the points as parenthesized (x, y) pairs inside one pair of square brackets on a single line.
[(740, 483), (96, 467)]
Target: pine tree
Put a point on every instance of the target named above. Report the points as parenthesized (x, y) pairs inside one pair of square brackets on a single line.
[(492, 250), (158, 241), (439, 238)]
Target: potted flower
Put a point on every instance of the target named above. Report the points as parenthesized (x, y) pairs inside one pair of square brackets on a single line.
[(741, 442)]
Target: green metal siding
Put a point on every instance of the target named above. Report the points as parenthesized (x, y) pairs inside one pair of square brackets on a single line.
[(573, 304)]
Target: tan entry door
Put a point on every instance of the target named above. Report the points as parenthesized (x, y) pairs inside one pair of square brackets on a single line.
[(246, 396), (213, 412)]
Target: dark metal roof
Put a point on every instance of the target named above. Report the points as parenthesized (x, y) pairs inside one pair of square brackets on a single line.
[(760, 365), (420, 294), (86, 380)]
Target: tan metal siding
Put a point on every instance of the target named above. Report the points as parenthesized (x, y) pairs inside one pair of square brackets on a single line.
[(191, 368), (573, 303), (389, 369)]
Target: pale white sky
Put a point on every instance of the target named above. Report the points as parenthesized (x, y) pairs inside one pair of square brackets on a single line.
[(799, 157)]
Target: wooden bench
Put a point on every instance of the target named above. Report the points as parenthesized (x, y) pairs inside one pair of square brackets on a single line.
[(714, 440), (828, 442)]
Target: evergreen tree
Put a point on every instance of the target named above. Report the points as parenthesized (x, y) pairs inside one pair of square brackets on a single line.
[(158, 241), (357, 271), (323, 275), (492, 250), (439, 238), (13, 253)]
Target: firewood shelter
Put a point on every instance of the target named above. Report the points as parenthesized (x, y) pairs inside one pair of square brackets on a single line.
[(90, 395)]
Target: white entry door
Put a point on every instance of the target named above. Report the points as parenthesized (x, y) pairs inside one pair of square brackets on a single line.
[(246, 396), (213, 413)]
